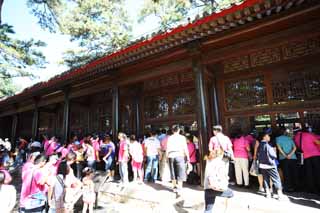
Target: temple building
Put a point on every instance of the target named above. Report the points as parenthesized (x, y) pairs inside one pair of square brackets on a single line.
[(253, 65)]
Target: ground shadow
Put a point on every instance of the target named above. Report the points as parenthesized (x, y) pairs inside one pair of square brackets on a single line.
[(305, 199)]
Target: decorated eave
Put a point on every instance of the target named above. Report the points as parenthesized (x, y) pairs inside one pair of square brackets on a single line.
[(237, 15)]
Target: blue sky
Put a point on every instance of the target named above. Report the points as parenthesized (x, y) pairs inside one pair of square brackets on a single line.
[(17, 14)]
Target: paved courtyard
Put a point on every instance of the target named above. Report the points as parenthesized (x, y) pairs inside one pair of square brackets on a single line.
[(158, 198)]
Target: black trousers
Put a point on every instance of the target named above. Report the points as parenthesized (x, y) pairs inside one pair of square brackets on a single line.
[(312, 174), (290, 175), (210, 197)]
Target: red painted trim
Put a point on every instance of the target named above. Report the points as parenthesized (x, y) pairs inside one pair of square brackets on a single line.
[(92, 64)]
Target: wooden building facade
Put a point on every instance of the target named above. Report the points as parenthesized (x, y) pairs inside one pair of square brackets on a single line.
[(250, 66)]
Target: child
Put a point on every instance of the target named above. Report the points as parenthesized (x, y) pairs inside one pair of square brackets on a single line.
[(268, 167), (88, 190)]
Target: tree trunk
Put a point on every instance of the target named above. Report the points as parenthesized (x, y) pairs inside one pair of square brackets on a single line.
[(1, 3)]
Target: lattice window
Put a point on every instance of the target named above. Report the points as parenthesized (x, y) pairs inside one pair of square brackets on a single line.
[(246, 93), (156, 107), (312, 119), (248, 124), (183, 104), (298, 86)]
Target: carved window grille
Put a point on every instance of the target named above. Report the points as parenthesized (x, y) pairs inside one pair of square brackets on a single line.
[(312, 119), (248, 124), (298, 86), (245, 93), (183, 104), (156, 107)]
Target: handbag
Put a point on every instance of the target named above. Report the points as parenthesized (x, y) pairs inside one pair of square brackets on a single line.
[(254, 169), (35, 202), (299, 153)]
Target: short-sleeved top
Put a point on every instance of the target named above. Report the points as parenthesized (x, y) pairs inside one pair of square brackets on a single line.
[(136, 151), (152, 145), (90, 153), (123, 147), (220, 140), (309, 147), (96, 147), (31, 184), (286, 144), (240, 147), (105, 149), (176, 146)]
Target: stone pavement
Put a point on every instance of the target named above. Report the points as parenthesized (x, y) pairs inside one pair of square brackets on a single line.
[(158, 197)]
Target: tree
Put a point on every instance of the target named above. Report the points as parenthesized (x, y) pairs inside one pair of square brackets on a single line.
[(16, 57), (98, 26), (171, 12), (47, 12)]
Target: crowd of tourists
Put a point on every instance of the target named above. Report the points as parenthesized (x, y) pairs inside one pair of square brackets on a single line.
[(280, 162), (56, 174)]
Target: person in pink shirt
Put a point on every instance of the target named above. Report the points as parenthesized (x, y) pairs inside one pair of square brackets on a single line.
[(33, 181), (96, 147), (136, 154), (192, 150), (51, 147), (219, 140), (123, 157), (241, 151), (311, 151), (45, 142)]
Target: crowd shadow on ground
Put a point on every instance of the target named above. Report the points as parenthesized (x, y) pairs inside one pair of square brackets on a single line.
[(305, 199), (299, 198)]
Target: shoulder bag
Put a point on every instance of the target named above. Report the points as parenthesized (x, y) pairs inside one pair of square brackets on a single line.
[(227, 155)]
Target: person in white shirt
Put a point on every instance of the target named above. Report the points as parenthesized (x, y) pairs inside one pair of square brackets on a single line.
[(153, 152), (7, 195), (177, 153)]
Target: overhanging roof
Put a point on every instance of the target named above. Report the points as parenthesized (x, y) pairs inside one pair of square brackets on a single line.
[(215, 23)]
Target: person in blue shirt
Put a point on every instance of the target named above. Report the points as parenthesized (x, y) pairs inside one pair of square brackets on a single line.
[(108, 154), (288, 160)]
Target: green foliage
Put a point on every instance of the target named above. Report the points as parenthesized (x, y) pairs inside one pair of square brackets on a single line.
[(169, 12), (47, 12), (7, 88), (16, 57), (98, 26)]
